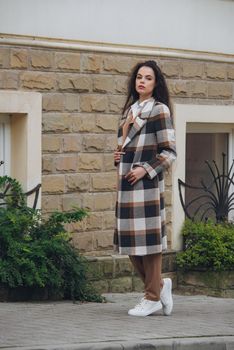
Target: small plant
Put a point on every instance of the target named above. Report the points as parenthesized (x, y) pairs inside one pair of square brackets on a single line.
[(207, 246), (37, 252)]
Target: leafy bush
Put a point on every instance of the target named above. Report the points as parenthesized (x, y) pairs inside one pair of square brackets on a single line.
[(37, 252), (208, 246)]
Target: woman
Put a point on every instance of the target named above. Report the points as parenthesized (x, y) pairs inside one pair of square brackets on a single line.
[(146, 147)]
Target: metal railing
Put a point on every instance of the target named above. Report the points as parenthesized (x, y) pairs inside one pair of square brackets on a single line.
[(6, 191), (215, 200)]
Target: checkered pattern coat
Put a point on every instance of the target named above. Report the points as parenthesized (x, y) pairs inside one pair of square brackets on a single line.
[(140, 210)]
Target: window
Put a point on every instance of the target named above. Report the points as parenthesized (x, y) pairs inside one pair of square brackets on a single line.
[(20, 137), (201, 147), (5, 144), (204, 130)]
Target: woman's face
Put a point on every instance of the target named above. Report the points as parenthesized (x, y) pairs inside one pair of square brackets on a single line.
[(145, 82)]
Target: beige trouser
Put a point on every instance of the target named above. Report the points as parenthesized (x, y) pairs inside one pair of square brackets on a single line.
[(149, 268)]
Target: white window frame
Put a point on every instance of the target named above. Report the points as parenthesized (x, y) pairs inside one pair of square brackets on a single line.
[(5, 144), (25, 110), (188, 117)]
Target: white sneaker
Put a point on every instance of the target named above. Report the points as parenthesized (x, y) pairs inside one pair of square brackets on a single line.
[(145, 308), (166, 296)]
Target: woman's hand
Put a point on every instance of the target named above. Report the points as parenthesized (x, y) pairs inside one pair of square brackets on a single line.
[(135, 174), (117, 155)]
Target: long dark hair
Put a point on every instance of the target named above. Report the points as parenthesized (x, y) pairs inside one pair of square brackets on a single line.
[(160, 92)]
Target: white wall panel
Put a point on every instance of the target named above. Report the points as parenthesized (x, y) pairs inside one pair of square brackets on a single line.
[(203, 25)]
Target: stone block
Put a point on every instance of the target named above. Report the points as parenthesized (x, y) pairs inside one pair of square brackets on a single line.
[(101, 286), (103, 240), (171, 69), (74, 82), (77, 226), (216, 71), (41, 59), (98, 201), (192, 69), (8, 80), (178, 88), (91, 63), (53, 184), (165, 263), (121, 84), (168, 262), (69, 202), (39, 81), (121, 285), (66, 163), (71, 143), (53, 102), (94, 221), (109, 162), (83, 241), (168, 215), (94, 143), (220, 90), (123, 266), (106, 266), (47, 164), (50, 203), (109, 220), (18, 58), (56, 122), (103, 182), (137, 284), (197, 88), (107, 123), (168, 178), (71, 102), (111, 143), (169, 235), (67, 61), (230, 72), (4, 57), (116, 103), (103, 201), (117, 64), (83, 123), (168, 197), (88, 201), (90, 161), (93, 103), (103, 84), (78, 182), (94, 268), (209, 280), (51, 143)]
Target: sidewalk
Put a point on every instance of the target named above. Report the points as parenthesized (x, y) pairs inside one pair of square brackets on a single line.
[(197, 322)]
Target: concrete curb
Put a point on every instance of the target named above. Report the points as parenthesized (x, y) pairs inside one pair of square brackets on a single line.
[(204, 343)]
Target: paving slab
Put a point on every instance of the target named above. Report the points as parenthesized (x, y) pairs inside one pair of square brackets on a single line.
[(197, 322)]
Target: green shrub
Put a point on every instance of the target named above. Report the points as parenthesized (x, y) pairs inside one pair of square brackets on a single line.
[(37, 252), (208, 246)]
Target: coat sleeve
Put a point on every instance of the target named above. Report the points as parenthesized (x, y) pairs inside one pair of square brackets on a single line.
[(165, 136)]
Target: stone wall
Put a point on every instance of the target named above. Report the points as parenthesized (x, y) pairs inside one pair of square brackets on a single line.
[(212, 283), (115, 273), (83, 95)]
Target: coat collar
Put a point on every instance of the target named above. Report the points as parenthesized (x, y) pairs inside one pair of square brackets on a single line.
[(140, 120)]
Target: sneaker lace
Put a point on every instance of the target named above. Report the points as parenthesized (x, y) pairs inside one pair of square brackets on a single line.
[(141, 303)]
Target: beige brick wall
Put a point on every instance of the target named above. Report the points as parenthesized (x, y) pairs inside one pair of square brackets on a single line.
[(83, 94)]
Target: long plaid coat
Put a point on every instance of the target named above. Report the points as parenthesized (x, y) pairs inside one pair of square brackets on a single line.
[(140, 210)]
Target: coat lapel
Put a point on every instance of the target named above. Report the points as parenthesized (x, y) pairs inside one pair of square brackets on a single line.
[(139, 121)]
